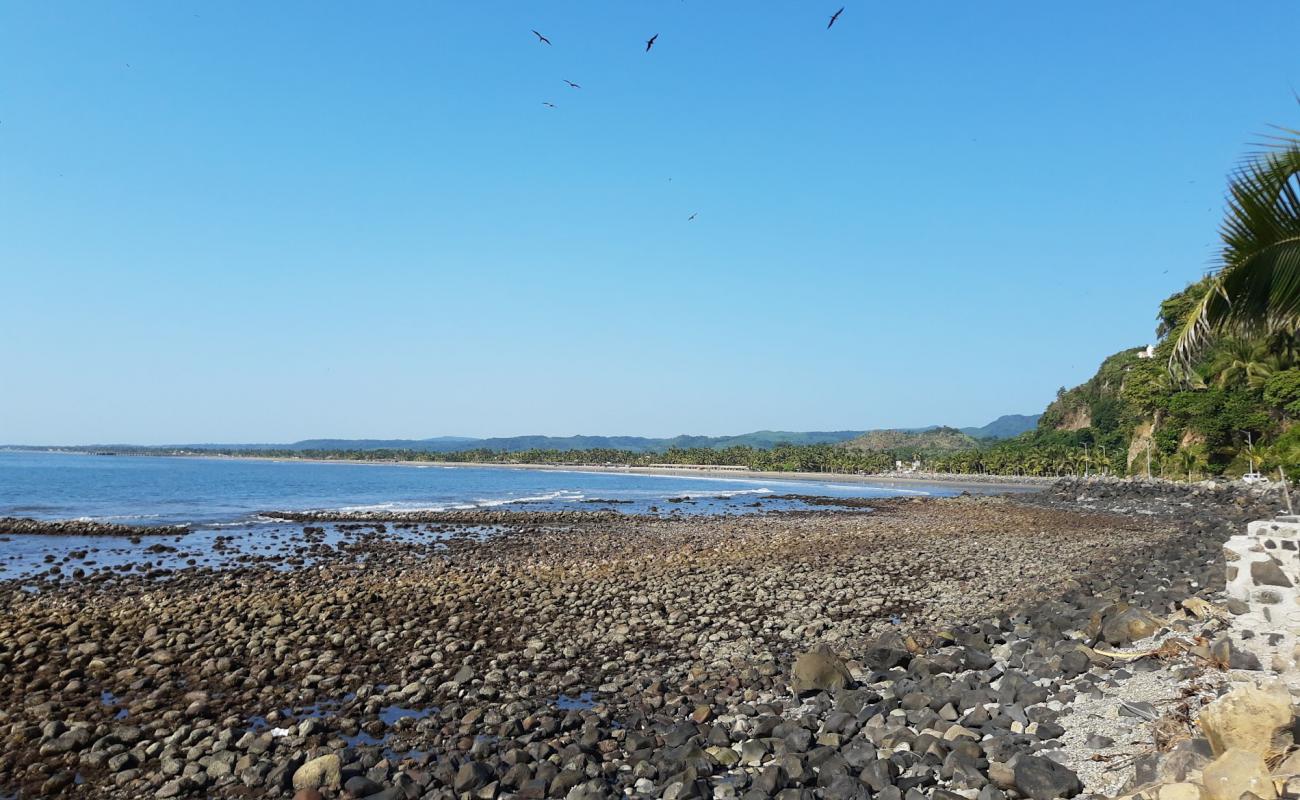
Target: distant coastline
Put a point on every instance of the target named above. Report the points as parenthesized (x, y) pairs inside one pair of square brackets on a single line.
[(1009, 482)]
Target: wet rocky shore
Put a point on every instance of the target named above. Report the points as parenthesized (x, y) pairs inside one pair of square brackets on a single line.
[(927, 648), (83, 527)]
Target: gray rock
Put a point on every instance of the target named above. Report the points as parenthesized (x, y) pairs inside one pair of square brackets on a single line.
[(1268, 573), (1044, 779)]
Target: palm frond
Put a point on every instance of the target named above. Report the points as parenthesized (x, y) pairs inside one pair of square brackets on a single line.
[(1257, 287)]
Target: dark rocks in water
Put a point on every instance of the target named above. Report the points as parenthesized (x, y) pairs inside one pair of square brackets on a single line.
[(83, 527), (1043, 779), (453, 517)]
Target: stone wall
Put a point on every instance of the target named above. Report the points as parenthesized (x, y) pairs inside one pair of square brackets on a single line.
[(1263, 588)]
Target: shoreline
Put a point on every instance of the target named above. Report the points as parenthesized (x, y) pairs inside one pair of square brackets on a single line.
[(1003, 482), (643, 649)]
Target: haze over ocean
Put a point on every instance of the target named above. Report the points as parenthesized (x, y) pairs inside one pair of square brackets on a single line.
[(251, 222)]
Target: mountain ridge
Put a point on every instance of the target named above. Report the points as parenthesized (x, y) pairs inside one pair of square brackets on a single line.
[(764, 439)]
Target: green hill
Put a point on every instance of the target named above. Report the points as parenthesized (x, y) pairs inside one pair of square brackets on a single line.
[(1240, 399), (1004, 427), (934, 440)]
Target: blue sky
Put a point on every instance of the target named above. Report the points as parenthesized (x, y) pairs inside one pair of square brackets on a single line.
[(339, 219)]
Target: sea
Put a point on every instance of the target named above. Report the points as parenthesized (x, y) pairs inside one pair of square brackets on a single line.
[(223, 500)]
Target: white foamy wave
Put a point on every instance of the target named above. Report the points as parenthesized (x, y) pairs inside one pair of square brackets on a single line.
[(562, 495), (723, 493), (256, 519), (399, 506)]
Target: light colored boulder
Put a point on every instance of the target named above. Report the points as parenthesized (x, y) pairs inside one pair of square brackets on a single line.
[(1122, 624), (323, 771), (1002, 775), (1250, 718), (819, 671), (1236, 772), (1180, 791)]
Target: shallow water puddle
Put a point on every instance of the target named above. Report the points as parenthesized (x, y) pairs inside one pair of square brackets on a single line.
[(109, 699), (584, 701), (391, 714), (282, 546)]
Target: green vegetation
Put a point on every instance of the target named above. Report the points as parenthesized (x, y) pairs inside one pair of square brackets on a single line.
[(935, 440), (1257, 288)]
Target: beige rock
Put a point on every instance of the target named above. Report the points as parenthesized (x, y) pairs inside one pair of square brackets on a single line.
[(1236, 772), (1002, 775), (957, 731), (1180, 791), (1127, 624), (1200, 608), (323, 771), (1249, 718), (818, 670)]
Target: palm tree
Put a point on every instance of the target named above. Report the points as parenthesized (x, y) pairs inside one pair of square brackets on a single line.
[(1241, 361), (1257, 288)]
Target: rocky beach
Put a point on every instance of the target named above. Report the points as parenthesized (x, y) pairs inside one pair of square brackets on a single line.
[(917, 647)]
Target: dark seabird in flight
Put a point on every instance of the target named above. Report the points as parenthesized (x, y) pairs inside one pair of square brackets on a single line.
[(571, 83), (693, 216), (651, 42), (834, 17), (548, 105), (541, 38)]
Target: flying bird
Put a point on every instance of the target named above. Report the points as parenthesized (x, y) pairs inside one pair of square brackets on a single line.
[(651, 42), (693, 216), (541, 38), (571, 83), (834, 17), (548, 105)]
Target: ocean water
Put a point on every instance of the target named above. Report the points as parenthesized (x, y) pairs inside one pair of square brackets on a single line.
[(216, 493), (222, 499)]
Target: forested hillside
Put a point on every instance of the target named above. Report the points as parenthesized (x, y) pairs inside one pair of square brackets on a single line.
[(1240, 395)]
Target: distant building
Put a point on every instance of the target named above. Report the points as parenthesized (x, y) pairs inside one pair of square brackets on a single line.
[(1149, 352)]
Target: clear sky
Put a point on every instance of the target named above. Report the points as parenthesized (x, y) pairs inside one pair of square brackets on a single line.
[(228, 221)]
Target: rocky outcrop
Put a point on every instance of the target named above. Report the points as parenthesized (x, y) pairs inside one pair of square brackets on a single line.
[(81, 527)]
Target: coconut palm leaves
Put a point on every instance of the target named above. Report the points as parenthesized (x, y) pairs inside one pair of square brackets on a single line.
[(1245, 362), (1257, 288)]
